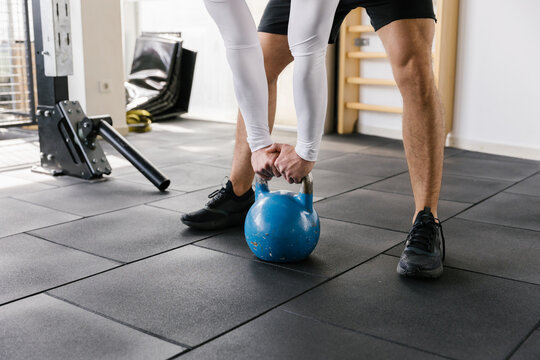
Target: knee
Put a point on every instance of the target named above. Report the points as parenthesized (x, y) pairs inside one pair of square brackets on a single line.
[(314, 45), (414, 75)]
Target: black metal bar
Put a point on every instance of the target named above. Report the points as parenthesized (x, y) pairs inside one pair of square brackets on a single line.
[(114, 138), (51, 90), (29, 62)]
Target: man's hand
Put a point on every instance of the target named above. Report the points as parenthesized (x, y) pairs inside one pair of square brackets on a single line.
[(263, 160), (290, 165)]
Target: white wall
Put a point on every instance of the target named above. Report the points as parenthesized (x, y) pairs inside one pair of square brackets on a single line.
[(497, 81), (97, 58), (498, 78)]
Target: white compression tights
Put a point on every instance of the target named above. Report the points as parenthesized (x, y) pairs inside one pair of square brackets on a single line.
[(310, 23)]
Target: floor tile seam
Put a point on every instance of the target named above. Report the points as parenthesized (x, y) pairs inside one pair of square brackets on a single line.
[(491, 223), (363, 224), (276, 306), (467, 176), (44, 206), (146, 332), (516, 348), (211, 136), (410, 195), (163, 208), (363, 186), (476, 272), (44, 182), (104, 271), (276, 265), (188, 163), (492, 178), (80, 218), (511, 159), (378, 337), (332, 157), (484, 200), (73, 248), (343, 271), (17, 167), (224, 167), (182, 193), (185, 191), (495, 224), (52, 186), (176, 356), (459, 151), (60, 285), (516, 193), (469, 154)]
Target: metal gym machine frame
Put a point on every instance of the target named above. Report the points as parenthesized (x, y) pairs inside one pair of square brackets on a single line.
[(67, 137)]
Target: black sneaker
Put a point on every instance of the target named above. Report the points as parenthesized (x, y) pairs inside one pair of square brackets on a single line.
[(423, 255), (224, 210)]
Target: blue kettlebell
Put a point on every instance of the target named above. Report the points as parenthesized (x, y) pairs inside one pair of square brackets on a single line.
[(282, 226)]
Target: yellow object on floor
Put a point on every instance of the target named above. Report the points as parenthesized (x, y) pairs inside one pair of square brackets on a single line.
[(139, 121)]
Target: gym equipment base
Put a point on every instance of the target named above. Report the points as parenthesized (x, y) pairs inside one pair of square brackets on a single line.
[(69, 146)]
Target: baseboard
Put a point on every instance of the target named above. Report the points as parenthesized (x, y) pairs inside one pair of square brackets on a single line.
[(524, 152)]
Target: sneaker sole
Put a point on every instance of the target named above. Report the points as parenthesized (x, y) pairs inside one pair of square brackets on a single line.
[(429, 274), (233, 220)]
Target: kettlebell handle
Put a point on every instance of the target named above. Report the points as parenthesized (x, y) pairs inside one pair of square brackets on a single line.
[(261, 187), (307, 184)]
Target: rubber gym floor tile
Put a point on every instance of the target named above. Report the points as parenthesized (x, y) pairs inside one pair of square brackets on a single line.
[(92, 198), (508, 209), (186, 177), (224, 162), (490, 249), (462, 315), (454, 188), (29, 265), (189, 295), (488, 168), (125, 235), (386, 210), (186, 202), (27, 174), (211, 146), (530, 350), (18, 216), (395, 149), (531, 186), (392, 149), (192, 127), (486, 156), (364, 165), (42, 327), (341, 246), (280, 335), (159, 156), (326, 183), (352, 142), (12, 186)]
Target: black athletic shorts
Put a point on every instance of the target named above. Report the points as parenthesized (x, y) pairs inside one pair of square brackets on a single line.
[(275, 19)]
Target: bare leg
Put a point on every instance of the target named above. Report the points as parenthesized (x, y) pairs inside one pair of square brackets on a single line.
[(408, 45), (276, 57)]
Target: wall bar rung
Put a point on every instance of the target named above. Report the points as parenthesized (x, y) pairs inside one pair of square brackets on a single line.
[(365, 81), (366, 55), (379, 108), (360, 29)]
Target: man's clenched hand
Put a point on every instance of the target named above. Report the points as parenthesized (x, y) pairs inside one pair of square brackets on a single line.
[(290, 165), (263, 160)]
